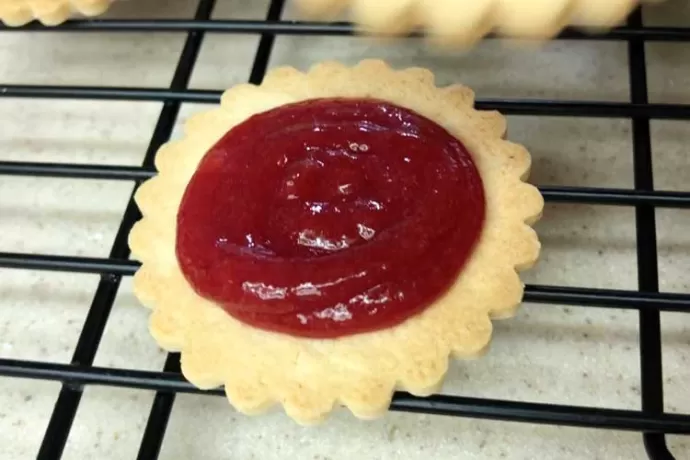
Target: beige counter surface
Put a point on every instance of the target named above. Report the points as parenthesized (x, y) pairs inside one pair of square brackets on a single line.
[(566, 355)]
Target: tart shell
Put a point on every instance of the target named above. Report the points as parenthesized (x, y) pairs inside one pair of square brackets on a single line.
[(308, 377), (462, 22), (15, 13)]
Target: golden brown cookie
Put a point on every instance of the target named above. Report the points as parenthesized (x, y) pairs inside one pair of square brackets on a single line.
[(48, 12), (462, 22), (305, 372)]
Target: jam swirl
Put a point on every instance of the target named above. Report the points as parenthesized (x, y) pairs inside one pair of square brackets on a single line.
[(330, 217)]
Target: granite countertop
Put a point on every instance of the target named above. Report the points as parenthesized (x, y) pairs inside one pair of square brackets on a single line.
[(548, 353)]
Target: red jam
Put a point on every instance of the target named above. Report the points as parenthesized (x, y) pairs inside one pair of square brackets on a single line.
[(330, 217)]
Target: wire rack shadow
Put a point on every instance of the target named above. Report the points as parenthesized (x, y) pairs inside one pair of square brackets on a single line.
[(651, 421)]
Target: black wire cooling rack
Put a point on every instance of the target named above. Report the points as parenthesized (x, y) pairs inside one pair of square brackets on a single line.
[(652, 422)]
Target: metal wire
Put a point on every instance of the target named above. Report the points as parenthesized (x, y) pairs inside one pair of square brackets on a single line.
[(542, 107), (652, 391), (562, 194), (651, 420), (170, 382), (666, 34)]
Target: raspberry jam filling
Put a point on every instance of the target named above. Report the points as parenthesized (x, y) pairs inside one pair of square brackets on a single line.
[(330, 217)]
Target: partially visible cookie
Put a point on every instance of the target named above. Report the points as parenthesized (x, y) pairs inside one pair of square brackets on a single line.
[(462, 22), (16, 13)]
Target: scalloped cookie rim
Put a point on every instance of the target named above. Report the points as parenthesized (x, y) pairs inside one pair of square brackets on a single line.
[(308, 377)]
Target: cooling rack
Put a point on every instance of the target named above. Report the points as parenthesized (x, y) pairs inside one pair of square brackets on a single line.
[(651, 421)]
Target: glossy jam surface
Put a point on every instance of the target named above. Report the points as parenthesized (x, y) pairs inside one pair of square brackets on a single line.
[(330, 217)]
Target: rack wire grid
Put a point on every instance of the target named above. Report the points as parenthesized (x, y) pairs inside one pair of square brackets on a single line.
[(651, 421)]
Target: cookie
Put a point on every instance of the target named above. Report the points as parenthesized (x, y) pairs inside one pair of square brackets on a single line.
[(49, 12), (330, 236), (463, 22)]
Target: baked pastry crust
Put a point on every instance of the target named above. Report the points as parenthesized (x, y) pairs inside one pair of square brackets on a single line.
[(463, 22), (16, 13), (308, 376)]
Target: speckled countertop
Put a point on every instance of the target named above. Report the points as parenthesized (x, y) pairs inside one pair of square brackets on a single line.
[(546, 354)]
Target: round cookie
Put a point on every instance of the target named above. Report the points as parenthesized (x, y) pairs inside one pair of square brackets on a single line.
[(243, 342)]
